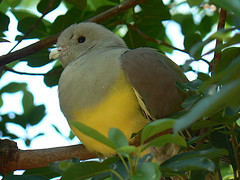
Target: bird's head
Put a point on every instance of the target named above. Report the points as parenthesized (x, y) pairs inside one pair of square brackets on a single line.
[(82, 38)]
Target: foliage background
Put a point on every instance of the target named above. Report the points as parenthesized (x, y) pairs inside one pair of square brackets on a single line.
[(216, 102)]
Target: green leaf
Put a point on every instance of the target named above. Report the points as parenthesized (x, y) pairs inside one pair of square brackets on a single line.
[(210, 105), (189, 102), (229, 5), (227, 75), (227, 57), (13, 87), (3, 40), (191, 85), (63, 21), (52, 77), (44, 171), (147, 14), (209, 153), (25, 177), (134, 40), (43, 4), (195, 163), (4, 6), (4, 19), (13, 3), (81, 4), (22, 13), (193, 160), (203, 76), (190, 40), (1, 101), (27, 101), (25, 24), (156, 127), (187, 24), (220, 139), (205, 25), (39, 134), (56, 129), (147, 170), (92, 133), (96, 4), (35, 115), (117, 137), (84, 170), (127, 149), (168, 138), (194, 2), (37, 59)]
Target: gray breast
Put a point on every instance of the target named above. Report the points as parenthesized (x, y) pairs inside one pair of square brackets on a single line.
[(87, 80)]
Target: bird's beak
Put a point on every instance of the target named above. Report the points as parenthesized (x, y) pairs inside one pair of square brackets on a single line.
[(55, 53)]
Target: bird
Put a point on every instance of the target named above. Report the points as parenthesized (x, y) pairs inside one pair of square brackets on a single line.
[(106, 85)]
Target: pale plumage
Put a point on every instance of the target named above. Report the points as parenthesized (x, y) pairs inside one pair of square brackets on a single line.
[(104, 84)]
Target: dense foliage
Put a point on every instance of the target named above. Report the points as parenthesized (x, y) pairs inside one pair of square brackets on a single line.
[(213, 109)]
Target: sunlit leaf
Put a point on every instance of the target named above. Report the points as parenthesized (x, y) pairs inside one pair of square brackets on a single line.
[(43, 5), (210, 105), (92, 133), (229, 5), (156, 127), (25, 177), (147, 170), (5, 20), (117, 137), (84, 170)]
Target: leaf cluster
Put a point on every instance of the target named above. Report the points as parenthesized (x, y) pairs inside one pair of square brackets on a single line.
[(211, 114)]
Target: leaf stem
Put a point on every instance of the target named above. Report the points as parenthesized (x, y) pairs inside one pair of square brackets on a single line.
[(124, 163), (118, 175)]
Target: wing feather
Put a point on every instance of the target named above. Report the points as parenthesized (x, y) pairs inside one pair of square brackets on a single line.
[(153, 77)]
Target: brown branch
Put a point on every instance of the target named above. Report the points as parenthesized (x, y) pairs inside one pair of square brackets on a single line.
[(12, 158), (221, 25), (33, 48), (46, 11), (155, 40)]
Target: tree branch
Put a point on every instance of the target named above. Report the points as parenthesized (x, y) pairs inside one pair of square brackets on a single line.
[(221, 25), (46, 11), (33, 48), (154, 40), (50, 73), (12, 158)]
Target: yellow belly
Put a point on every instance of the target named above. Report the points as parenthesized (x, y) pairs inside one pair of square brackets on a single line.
[(119, 109)]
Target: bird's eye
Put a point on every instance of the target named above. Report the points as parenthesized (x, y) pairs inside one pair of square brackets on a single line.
[(81, 39)]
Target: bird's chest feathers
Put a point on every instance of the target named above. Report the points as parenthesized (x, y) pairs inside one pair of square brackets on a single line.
[(86, 81)]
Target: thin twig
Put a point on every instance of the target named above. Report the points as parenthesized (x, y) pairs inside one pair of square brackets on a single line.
[(46, 11), (33, 48), (221, 25), (22, 73), (50, 73), (154, 40)]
